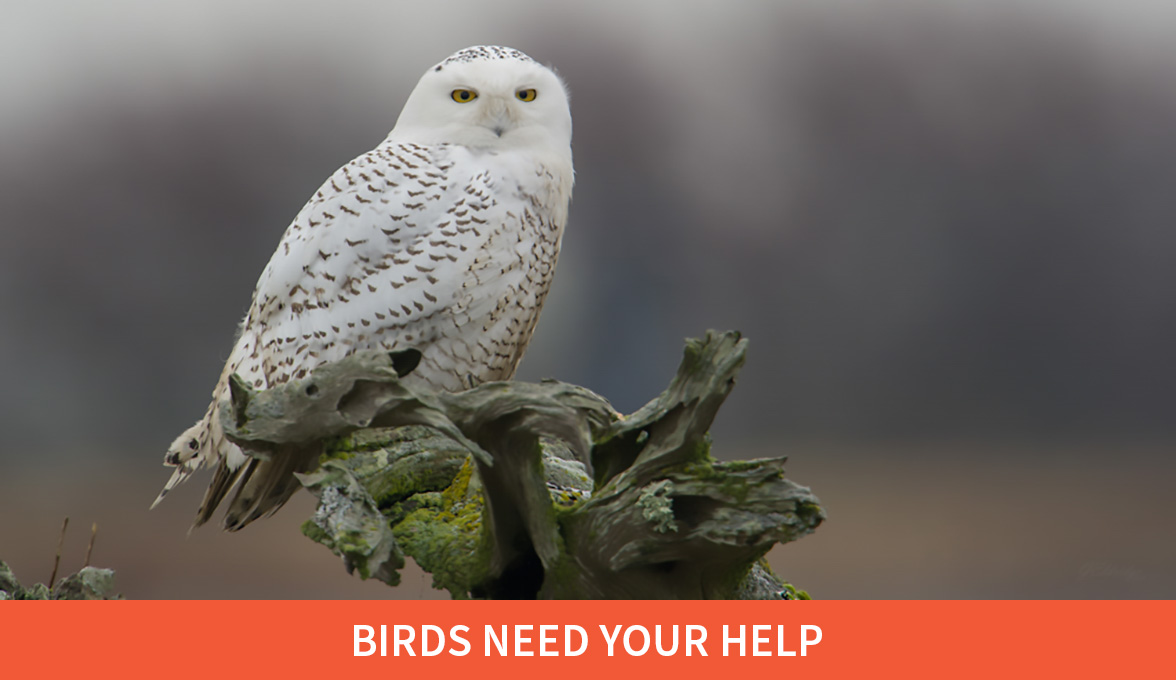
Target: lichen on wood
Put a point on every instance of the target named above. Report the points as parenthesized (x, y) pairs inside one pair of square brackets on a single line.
[(89, 583), (520, 490)]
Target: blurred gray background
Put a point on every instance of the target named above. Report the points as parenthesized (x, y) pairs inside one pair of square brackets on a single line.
[(947, 228)]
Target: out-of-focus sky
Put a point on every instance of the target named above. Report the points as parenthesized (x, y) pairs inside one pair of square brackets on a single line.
[(946, 227)]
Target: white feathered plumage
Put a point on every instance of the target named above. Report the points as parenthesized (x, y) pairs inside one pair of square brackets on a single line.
[(444, 239)]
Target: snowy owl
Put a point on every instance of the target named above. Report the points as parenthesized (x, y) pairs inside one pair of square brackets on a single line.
[(443, 239)]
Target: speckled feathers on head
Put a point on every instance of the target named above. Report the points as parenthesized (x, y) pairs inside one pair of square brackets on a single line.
[(483, 53)]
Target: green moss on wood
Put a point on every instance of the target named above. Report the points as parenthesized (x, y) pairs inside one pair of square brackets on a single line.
[(446, 539)]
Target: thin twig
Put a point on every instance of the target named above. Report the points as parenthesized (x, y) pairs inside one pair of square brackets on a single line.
[(90, 548), (57, 560)]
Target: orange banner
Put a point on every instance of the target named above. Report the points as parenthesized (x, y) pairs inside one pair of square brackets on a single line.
[(818, 639)]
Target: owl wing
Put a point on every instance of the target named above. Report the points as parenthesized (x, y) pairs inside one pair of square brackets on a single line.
[(370, 261), (377, 258)]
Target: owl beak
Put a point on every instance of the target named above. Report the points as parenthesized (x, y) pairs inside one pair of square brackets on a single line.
[(500, 120)]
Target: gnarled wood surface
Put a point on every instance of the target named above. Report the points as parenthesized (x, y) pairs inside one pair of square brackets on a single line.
[(519, 490)]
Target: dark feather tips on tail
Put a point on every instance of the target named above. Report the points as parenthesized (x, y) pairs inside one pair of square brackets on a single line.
[(266, 485)]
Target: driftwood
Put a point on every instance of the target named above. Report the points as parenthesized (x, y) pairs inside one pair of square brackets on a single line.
[(517, 490)]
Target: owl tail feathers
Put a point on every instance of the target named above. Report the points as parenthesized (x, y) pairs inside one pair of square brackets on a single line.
[(186, 454), (223, 481), (263, 488)]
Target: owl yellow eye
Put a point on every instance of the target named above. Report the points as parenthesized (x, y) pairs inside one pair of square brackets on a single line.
[(527, 95), (463, 96)]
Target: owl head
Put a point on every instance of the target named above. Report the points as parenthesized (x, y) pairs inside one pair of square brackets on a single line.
[(492, 98)]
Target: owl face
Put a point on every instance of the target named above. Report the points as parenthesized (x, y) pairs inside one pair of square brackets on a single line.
[(492, 98)]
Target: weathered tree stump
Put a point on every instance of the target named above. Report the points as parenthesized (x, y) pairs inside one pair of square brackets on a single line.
[(518, 490)]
